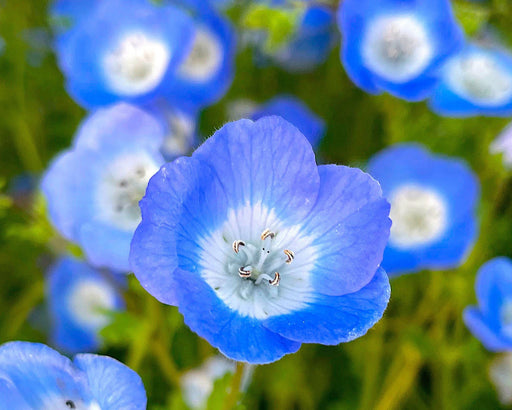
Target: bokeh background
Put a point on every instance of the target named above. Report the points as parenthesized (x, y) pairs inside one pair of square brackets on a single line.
[(419, 356)]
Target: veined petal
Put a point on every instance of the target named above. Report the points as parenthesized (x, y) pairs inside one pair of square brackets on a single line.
[(332, 320), (240, 338), (350, 227), (113, 385), (267, 161)]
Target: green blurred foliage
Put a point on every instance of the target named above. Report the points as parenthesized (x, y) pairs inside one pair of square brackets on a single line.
[(419, 356)]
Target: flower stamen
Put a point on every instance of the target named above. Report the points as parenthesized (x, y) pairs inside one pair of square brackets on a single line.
[(245, 271), (237, 244), (290, 256), (276, 280), (266, 234)]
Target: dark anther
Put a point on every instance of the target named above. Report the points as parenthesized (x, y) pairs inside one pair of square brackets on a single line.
[(70, 404)]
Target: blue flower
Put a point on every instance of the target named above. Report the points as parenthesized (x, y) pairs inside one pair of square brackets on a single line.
[(476, 81), (124, 50), (180, 128), (260, 248), (207, 70), (397, 46), (491, 321), (433, 201), (503, 145), (311, 44), (79, 299), (33, 376), (296, 112), (93, 189)]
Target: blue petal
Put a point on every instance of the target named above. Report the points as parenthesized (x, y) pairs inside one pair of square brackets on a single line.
[(41, 374), (237, 337), (183, 202), (120, 124), (446, 36), (494, 285), (296, 112), (492, 340), (268, 161), (106, 246), (11, 397), (350, 225), (113, 385), (69, 334), (202, 93), (81, 56), (332, 320)]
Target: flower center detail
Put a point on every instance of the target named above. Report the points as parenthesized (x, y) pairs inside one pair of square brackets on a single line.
[(88, 302), (397, 48), (481, 79), (205, 58), (418, 215), (122, 187), (256, 270), (263, 263), (136, 65), (506, 317)]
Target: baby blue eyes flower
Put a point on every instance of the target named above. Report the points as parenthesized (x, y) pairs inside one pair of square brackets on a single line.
[(33, 376), (491, 321), (80, 298), (93, 189), (296, 112), (397, 45), (260, 248), (207, 70), (433, 201), (476, 81), (125, 50)]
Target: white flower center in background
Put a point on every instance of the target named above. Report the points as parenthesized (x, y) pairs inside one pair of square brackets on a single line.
[(180, 139), (65, 403), (137, 65), (88, 302), (481, 79), (205, 58), (397, 47), (419, 216), (501, 375), (257, 266), (121, 188)]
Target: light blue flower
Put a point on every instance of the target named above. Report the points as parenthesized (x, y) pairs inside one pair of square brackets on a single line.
[(296, 112), (260, 248), (397, 46), (433, 203), (503, 145), (33, 376), (80, 299), (207, 70), (93, 189), (124, 50), (476, 81), (491, 321)]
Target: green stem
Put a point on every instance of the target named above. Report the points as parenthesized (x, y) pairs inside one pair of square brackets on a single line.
[(234, 392)]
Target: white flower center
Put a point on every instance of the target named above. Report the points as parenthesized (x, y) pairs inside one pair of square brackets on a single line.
[(501, 375), (397, 47), (89, 301), (419, 216), (205, 58), (257, 266), (123, 185), (481, 79), (137, 65)]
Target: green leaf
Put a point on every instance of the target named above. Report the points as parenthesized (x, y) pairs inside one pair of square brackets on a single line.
[(471, 16)]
